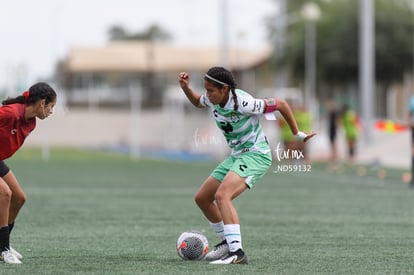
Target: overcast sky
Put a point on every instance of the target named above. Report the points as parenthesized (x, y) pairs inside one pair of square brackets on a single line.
[(35, 33)]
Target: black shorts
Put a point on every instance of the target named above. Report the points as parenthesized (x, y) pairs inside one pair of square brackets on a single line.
[(3, 169)]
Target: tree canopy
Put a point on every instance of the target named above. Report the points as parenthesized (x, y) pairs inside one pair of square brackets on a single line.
[(338, 40), (153, 33)]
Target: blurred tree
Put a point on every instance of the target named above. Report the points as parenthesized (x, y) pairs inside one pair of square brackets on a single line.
[(152, 33), (338, 40), (117, 33)]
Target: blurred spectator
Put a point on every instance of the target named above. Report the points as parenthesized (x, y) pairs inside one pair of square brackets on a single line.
[(291, 146), (411, 125), (350, 122), (333, 121)]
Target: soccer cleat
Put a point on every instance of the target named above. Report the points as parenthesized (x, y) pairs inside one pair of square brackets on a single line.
[(236, 257), (9, 258), (220, 250), (16, 253)]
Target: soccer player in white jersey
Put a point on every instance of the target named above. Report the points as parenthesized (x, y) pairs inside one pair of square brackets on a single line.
[(237, 114)]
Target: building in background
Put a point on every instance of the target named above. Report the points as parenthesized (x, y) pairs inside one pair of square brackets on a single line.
[(111, 70)]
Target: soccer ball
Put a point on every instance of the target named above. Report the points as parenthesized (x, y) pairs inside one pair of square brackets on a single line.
[(192, 245)]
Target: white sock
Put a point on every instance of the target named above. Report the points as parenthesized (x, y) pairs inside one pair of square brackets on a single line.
[(233, 236), (219, 229)]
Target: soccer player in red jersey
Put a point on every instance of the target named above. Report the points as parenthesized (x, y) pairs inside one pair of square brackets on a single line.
[(17, 120)]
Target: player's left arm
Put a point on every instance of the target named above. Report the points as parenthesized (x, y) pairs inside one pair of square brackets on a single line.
[(273, 104)]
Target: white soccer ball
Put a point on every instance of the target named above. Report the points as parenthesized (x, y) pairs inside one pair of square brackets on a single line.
[(192, 245)]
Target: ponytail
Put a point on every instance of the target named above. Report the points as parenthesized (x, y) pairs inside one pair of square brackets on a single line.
[(236, 104), (35, 93)]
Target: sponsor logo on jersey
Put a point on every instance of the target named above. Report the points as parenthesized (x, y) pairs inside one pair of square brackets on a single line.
[(257, 106)]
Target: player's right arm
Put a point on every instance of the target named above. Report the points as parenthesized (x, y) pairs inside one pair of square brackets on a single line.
[(193, 96), (273, 104)]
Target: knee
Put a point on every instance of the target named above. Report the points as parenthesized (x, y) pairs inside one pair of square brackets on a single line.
[(199, 199), (5, 195), (203, 199), (19, 200), (221, 197)]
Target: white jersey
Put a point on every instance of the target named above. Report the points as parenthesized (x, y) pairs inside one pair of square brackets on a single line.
[(241, 128)]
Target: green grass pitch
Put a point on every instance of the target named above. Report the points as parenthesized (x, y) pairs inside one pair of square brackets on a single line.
[(97, 213)]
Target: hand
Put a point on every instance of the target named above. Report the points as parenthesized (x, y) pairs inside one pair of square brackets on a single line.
[(302, 136), (308, 136), (184, 80)]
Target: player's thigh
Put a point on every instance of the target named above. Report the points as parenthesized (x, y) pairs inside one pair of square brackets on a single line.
[(208, 189), (232, 186)]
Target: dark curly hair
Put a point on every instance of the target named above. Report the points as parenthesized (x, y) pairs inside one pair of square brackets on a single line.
[(37, 92)]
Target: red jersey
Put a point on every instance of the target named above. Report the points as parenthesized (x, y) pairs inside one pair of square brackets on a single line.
[(14, 128)]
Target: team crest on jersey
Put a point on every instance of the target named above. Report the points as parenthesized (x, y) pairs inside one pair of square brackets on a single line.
[(234, 117)]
